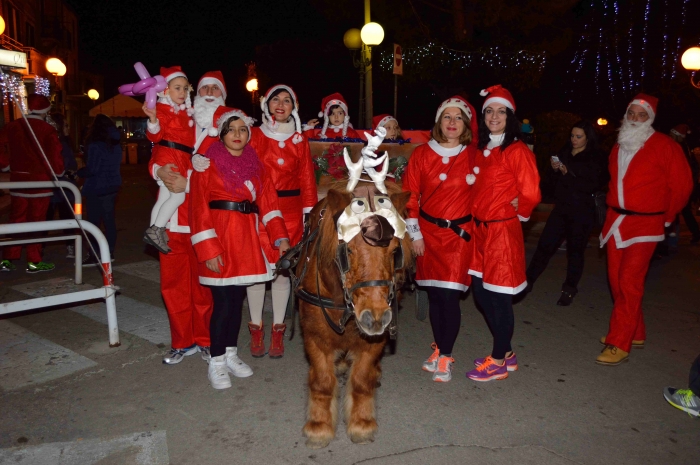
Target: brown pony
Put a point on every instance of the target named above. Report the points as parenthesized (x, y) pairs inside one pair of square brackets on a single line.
[(370, 260)]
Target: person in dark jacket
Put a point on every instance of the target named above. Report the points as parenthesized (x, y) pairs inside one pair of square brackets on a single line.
[(578, 171), (102, 178), (58, 202)]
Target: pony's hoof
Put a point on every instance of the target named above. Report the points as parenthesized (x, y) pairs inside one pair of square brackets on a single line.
[(317, 443), (362, 438)]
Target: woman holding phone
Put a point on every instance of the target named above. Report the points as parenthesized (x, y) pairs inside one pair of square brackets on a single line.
[(578, 171)]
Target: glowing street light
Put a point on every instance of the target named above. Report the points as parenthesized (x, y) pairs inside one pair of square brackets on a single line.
[(691, 61), (602, 122), (93, 94), (55, 67)]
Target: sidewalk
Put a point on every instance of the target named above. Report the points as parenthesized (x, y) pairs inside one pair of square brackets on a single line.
[(68, 398)]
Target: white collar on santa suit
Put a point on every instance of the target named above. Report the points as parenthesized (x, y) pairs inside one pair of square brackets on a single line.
[(444, 151)]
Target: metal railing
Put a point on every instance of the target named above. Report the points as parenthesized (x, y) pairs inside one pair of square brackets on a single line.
[(107, 291)]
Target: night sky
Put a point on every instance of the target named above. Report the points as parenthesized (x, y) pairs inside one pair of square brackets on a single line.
[(300, 43)]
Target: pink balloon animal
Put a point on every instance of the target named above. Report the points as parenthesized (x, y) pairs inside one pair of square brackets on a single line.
[(148, 86)]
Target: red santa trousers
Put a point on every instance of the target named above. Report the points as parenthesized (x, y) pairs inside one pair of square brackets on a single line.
[(627, 271), (188, 303), (27, 210)]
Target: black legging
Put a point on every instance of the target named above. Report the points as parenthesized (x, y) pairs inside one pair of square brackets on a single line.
[(573, 224), (226, 317), (445, 317), (498, 311)]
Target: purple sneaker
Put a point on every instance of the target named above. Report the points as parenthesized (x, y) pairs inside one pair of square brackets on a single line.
[(488, 371), (511, 362)]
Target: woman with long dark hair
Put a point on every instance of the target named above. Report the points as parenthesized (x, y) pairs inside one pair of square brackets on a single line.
[(102, 178), (578, 171), (505, 192)]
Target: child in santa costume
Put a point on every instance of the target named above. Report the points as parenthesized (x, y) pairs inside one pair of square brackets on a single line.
[(439, 176), (650, 182), (285, 153), (227, 201), (390, 124), (170, 129), (25, 162), (505, 193), (336, 120), (187, 302)]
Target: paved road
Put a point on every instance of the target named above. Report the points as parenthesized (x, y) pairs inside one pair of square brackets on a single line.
[(66, 397)]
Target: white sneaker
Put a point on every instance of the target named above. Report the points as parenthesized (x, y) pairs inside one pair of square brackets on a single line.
[(235, 365), (218, 373), (443, 373)]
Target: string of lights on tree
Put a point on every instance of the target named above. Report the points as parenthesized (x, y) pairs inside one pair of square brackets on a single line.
[(13, 90), (42, 86), (624, 45), (494, 57)]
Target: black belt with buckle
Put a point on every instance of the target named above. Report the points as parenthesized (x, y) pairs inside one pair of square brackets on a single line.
[(622, 211), (176, 146), (449, 224), (245, 207), (289, 193), (479, 222)]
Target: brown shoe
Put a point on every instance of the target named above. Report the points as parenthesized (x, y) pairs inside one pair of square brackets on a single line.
[(257, 345), (277, 344), (612, 356), (635, 344)]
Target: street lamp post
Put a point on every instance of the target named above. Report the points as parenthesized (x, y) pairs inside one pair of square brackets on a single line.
[(691, 61)]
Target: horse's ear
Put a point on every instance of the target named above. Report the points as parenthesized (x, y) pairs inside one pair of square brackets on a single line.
[(337, 201), (400, 200)]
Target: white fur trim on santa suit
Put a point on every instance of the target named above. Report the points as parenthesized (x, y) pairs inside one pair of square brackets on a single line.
[(644, 104), (453, 103)]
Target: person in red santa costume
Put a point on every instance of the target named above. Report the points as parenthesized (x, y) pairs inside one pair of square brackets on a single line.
[(439, 176), (169, 128), (285, 153), (336, 120), (650, 182), (505, 192), (187, 302), (26, 163), (211, 94), (227, 201)]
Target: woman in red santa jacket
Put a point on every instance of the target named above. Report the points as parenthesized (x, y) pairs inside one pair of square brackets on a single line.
[(505, 192), (287, 159), (170, 129), (226, 201), (439, 177)]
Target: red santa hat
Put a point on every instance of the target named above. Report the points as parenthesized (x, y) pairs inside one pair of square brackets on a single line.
[(171, 73), (647, 102), (497, 94), (212, 77), (326, 104), (38, 104), (457, 101), (681, 130), (222, 114), (382, 120), (295, 110)]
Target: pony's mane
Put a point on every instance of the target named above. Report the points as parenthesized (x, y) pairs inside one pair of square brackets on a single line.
[(329, 234)]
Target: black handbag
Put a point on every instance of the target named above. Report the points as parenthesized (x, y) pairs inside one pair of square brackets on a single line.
[(601, 208)]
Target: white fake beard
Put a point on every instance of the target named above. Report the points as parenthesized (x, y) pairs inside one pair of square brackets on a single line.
[(633, 135), (204, 110)]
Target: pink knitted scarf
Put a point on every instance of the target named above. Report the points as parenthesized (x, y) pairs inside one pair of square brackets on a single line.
[(235, 171)]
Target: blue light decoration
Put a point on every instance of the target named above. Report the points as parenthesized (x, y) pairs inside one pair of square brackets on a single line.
[(493, 56), (616, 53)]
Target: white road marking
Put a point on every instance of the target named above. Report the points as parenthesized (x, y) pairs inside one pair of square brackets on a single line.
[(149, 448), (28, 359)]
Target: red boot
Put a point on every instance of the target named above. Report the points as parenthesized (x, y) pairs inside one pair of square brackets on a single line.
[(277, 344), (257, 346)]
